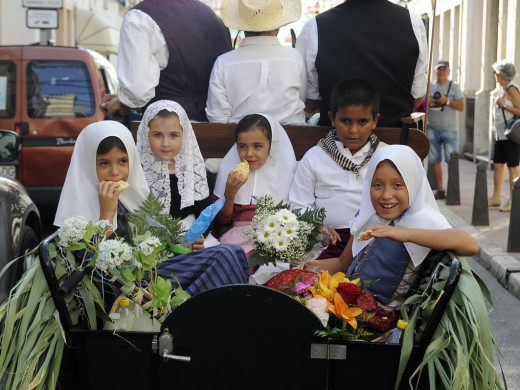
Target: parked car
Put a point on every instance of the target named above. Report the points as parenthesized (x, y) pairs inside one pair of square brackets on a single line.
[(48, 94), (20, 226)]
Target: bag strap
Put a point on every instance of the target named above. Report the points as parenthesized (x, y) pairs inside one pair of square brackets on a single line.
[(447, 92), (504, 108)]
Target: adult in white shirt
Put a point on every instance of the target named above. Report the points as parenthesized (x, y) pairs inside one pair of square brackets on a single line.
[(374, 40), (261, 75), (166, 52)]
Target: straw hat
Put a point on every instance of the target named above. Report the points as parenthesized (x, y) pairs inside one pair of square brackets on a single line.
[(260, 15)]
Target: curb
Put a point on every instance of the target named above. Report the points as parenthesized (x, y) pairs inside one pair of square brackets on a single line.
[(504, 267)]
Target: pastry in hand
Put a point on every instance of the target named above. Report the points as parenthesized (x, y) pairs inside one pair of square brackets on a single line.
[(364, 235), (123, 184), (243, 169)]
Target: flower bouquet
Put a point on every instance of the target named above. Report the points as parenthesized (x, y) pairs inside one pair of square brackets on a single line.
[(335, 301), (283, 235), (32, 336)]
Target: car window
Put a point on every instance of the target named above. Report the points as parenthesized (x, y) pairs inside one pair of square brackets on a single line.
[(7, 89), (59, 89)]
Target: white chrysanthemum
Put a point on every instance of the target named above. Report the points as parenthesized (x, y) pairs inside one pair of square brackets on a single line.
[(112, 254), (272, 223), (72, 231), (102, 226), (263, 236), (286, 216), (280, 243), (148, 246), (289, 233)]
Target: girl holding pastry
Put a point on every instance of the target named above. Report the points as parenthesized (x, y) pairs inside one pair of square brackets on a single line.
[(263, 145)]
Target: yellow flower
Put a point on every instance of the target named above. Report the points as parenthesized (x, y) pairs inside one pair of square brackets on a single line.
[(341, 310)]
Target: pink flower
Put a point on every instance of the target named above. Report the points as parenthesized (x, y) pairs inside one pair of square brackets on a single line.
[(301, 287)]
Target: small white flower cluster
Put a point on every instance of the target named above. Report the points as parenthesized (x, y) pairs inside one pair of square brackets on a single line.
[(277, 231), (72, 231), (112, 254), (148, 245), (102, 226)]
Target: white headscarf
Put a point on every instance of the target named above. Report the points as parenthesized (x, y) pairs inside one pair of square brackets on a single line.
[(423, 213), (79, 196), (189, 164), (273, 178)]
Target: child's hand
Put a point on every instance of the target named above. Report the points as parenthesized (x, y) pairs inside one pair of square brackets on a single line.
[(333, 236), (198, 244), (234, 181), (108, 194), (387, 231)]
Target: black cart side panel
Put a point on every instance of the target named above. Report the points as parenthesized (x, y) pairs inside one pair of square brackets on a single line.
[(243, 337)]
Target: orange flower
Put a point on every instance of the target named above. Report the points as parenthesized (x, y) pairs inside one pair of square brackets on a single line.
[(341, 310), (327, 285)]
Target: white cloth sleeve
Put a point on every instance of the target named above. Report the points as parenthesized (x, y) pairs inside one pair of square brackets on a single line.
[(218, 107), (301, 194), (420, 81), (307, 45), (142, 55)]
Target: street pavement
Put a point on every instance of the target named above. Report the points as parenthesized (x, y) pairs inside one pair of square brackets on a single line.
[(492, 239)]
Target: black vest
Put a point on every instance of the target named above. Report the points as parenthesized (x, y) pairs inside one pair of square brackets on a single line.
[(371, 40), (195, 36)]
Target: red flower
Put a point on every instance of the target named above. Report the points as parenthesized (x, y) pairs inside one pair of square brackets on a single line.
[(349, 292)]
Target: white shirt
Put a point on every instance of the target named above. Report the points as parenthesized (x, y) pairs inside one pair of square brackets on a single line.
[(307, 45), (319, 181), (142, 51), (260, 76)]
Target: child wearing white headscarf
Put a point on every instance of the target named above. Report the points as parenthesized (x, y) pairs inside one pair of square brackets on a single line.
[(271, 173), (79, 196), (400, 222), (184, 189), (82, 194)]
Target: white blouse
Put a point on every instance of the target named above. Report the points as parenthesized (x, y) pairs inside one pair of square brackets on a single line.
[(319, 181)]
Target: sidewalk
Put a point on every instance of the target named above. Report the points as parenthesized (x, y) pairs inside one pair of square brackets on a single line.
[(492, 239)]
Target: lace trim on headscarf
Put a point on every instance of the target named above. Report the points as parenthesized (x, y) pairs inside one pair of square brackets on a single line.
[(328, 144), (189, 164)]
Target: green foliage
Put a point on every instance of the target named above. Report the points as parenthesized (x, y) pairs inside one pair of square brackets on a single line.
[(460, 354), (149, 218)]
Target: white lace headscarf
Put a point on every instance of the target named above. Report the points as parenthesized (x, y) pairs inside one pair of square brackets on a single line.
[(190, 170), (423, 213), (79, 196), (273, 178)]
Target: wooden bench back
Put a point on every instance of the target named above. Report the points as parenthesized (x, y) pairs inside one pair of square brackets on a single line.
[(215, 139)]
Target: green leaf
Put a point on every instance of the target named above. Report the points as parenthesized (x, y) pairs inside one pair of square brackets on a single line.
[(76, 246)]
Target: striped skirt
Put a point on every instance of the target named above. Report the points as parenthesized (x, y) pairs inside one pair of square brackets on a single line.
[(208, 268)]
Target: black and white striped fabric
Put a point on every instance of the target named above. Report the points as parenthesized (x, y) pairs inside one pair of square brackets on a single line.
[(328, 144)]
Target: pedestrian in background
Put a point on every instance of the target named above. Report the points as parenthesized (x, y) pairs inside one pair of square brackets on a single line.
[(506, 106), (446, 99)]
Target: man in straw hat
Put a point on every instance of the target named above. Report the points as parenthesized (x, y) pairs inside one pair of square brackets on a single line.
[(260, 76), (374, 40), (166, 51)]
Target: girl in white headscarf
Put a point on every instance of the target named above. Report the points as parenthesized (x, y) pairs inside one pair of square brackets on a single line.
[(104, 154), (173, 165), (396, 227), (264, 144)]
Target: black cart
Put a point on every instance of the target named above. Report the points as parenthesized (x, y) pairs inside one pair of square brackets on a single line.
[(234, 337)]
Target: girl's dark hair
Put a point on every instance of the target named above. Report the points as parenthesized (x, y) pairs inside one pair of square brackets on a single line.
[(254, 120), (354, 92), (110, 143)]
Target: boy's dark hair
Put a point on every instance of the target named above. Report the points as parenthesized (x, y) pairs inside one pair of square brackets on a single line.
[(254, 120), (110, 143), (354, 92)]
